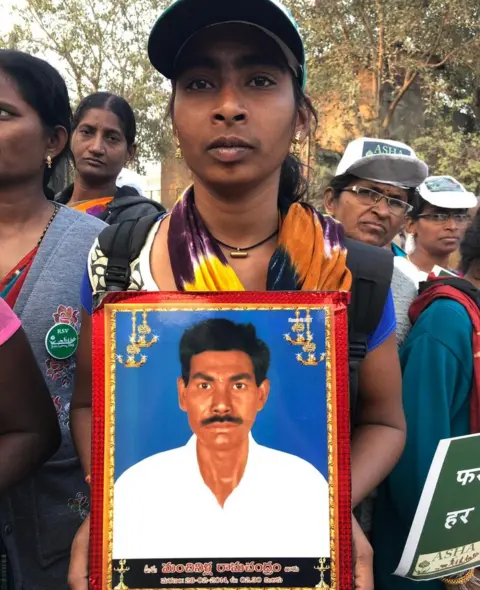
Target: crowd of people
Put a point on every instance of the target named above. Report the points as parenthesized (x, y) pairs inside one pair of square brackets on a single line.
[(238, 110)]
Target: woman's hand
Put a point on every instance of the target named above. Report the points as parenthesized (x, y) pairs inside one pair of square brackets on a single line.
[(362, 558), (78, 571)]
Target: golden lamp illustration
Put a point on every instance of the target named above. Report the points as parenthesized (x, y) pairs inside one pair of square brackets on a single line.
[(303, 336), (298, 329), (322, 568), (133, 360), (144, 330), (122, 570)]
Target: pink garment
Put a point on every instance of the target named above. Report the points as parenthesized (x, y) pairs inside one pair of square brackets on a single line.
[(9, 323)]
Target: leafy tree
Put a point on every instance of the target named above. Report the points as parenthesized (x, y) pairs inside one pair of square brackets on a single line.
[(370, 54), (102, 46), (452, 152), (405, 70), (408, 70)]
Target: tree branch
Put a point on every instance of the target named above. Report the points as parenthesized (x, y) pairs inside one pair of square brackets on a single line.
[(59, 50), (345, 33), (409, 80), (380, 56), (439, 36), (367, 26), (451, 53)]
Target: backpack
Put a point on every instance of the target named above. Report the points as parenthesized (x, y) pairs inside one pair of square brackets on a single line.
[(126, 205), (465, 293), (129, 205), (371, 269)]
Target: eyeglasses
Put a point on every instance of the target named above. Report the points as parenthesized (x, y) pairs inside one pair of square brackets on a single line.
[(372, 197), (444, 217)]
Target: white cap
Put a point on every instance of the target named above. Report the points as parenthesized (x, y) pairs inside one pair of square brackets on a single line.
[(447, 193), (383, 160)]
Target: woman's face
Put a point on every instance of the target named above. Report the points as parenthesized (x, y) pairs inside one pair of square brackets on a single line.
[(437, 237), (234, 110), (363, 219), (24, 142), (99, 147)]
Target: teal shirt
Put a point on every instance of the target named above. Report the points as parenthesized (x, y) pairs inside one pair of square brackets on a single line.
[(397, 251), (437, 367)]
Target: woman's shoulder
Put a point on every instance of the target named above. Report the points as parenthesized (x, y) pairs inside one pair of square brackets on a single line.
[(446, 321), (404, 292), (444, 310), (140, 273), (409, 270)]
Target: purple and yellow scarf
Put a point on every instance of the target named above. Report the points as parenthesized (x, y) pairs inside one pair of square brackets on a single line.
[(310, 255)]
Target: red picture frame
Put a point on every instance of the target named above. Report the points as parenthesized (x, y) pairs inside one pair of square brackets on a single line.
[(340, 576)]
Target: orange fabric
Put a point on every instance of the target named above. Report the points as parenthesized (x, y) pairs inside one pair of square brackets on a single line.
[(310, 255), (320, 262), (85, 206)]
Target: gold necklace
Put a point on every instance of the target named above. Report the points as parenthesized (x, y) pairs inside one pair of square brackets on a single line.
[(56, 208), (236, 252), (457, 581)]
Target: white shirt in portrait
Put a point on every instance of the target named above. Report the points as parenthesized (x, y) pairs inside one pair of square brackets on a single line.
[(163, 509)]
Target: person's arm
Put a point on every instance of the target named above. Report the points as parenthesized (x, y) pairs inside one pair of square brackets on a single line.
[(379, 435), (81, 404), (78, 570), (437, 368), (362, 558), (29, 429), (81, 426)]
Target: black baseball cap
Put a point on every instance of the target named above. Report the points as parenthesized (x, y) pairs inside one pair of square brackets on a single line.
[(183, 18)]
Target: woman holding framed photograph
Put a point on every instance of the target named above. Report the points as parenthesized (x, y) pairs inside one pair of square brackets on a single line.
[(238, 104)]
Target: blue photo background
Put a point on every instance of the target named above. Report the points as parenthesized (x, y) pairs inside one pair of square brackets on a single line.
[(148, 419)]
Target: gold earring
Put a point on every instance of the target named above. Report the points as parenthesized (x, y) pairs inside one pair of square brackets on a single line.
[(297, 148), (49, 161), (178, 150)]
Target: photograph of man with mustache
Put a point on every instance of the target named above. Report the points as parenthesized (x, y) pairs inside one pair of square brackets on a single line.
[(222, 495)]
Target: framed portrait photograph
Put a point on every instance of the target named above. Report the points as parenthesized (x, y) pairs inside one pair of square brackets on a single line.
[(221, 441)]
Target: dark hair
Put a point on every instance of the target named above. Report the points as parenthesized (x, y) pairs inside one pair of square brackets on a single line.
[(224, 335), (470, 245), (293, 182), (44, 89), (339, 183), (113, 103), (419, 204)]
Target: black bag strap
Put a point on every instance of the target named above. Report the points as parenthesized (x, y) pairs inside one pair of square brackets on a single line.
[(372, 270), (121, 244)]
